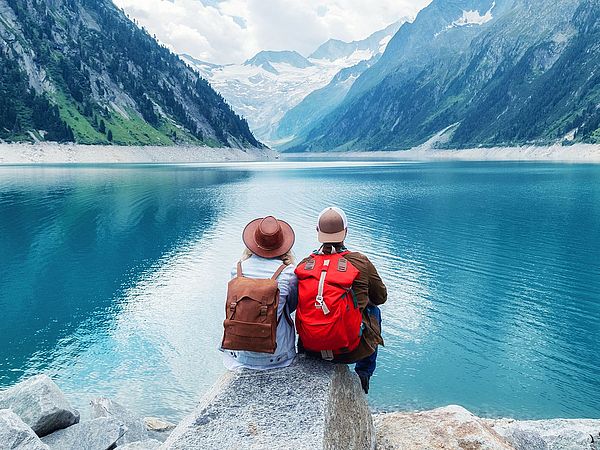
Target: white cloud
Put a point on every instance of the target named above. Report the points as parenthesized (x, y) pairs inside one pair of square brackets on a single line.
[(229, 31)]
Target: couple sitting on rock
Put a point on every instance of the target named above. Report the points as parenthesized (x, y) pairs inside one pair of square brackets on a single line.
[(334, 292)]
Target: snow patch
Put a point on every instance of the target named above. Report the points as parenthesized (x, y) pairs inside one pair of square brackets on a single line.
[(471, 17)]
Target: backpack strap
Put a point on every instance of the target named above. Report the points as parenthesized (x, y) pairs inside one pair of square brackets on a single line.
[(278, 271), (239, 269), (286, 315), (320, 301)]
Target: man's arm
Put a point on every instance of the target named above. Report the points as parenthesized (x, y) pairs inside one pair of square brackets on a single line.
[(377, 290), (292, 298)]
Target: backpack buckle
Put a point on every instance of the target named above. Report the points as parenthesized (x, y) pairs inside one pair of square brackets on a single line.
[(263, 310), (327, 355), (320, 304)]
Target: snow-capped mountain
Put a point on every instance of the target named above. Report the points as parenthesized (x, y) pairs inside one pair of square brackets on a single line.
[(335, 49), (265, 59), (268, 85), (482, 72)]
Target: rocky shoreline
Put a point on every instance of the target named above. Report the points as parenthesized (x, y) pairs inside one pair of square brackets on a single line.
[(453, 427), (36, 415), (53, 153), (576, 153)]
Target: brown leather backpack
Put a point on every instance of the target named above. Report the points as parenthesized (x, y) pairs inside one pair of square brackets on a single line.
[(251, 313)]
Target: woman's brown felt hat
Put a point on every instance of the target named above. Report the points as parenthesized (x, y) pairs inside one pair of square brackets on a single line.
[(268, 237)]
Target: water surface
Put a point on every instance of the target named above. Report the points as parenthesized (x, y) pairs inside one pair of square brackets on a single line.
[(112, 279)]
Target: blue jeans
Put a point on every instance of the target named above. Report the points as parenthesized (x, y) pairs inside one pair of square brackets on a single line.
[(366, 366)]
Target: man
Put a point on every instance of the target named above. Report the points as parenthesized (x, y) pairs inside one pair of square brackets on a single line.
[(367, 289)]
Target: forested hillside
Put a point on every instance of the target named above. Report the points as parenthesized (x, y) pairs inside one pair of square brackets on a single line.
[(504, 72), (80, 70)]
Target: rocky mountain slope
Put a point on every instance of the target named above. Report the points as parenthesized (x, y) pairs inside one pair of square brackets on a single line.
[(265, 87), (501, 72), (80, 70), (302, 118)]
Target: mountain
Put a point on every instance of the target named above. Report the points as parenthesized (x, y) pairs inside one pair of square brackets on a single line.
[(265, 87), (502, 72), (335, 49), (266, 59), (80, 70), (205, 68), (299, 120)]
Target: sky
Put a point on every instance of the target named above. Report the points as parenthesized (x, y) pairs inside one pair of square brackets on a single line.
[(231, 31)]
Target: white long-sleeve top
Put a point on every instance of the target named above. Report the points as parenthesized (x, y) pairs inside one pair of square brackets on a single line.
[(258, 267)]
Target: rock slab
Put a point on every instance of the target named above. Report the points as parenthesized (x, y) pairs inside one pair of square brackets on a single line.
[(16, 434), (149, 444), (553, 434), (40, 404), (159, 425), (309, 405), (136, 428), (451, 427), (97, 434), (158, 429)]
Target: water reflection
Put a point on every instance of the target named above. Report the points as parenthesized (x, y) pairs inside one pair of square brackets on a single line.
[(72, 240)]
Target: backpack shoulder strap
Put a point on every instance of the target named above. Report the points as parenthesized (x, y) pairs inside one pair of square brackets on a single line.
[(288, 317), (239, 269), (278, 271)]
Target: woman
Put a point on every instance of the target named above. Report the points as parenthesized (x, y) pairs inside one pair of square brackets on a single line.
[(268, 245)]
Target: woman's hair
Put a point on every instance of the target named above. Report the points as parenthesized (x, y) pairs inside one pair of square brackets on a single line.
[(287, 258)]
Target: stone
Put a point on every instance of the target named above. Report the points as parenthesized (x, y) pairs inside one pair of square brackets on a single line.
[(156, 424), (40, 404), (136, 428), (97, 434), (158, 429), (149, 444), (525, 440), (552, 434), (16, 434), (312, 405), (451, 427)]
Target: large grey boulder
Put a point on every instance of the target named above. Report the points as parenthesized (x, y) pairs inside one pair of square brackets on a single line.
[(136, 428), (40, 404), (553, 434), (451, 427), (16, 434), (309, 405), (149, 444), (98, 434)]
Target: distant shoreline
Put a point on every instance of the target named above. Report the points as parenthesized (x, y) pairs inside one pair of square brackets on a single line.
[(577, 153), (53, 153)]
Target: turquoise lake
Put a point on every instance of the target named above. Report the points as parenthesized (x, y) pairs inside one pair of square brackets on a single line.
[(112, 278)]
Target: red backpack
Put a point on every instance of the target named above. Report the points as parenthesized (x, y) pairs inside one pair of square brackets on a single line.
[(328, 319)]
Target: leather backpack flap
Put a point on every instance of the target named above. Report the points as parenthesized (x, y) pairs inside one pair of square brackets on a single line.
[(252, 300)]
